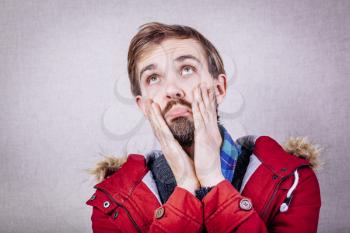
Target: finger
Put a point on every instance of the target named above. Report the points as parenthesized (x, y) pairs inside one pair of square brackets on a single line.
[(153, 121), (147, 107), (156, 123), (209, 102), (163, 126), (197, 117), (160, 118), (212, 102), (212, 96), (205, 95), (200, 103), (149, 114)]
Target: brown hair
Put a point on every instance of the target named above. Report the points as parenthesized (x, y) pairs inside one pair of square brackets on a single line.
[(155, 33)]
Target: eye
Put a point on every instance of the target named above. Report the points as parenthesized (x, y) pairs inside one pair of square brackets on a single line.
[(187, 70), (152, 79)]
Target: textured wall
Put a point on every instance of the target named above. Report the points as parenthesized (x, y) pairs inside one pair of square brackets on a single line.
[(64, 96)]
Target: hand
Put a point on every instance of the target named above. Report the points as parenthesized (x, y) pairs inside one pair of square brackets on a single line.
[(179, 162), (207, 137)]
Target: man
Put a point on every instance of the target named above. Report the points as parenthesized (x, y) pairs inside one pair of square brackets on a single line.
[(201, 180)]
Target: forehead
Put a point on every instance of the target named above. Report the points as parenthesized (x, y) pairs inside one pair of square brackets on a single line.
[(170, 49)]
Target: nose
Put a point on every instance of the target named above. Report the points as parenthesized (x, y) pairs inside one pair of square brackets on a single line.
[(174, 92)]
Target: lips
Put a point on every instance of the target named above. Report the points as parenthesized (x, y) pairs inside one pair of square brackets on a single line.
[(177, 111)]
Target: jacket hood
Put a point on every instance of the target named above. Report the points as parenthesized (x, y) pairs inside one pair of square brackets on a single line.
[(298, 146), (301, 147), (107, 166)]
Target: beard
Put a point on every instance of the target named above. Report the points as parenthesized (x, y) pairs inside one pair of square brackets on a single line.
[(183, 130), (182, 127)]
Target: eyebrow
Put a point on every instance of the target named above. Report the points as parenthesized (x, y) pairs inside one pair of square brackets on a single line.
[(149, 67), (178, 59), (188, 56)]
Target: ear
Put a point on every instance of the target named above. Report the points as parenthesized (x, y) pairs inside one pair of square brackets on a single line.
[(220, 88), (141, 104)]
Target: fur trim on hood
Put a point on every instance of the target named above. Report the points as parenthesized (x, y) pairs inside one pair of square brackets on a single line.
[(298, 146), (301, 147), (107, 167)]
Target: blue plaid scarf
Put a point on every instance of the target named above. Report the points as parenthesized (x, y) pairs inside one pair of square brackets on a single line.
[(229, 153)]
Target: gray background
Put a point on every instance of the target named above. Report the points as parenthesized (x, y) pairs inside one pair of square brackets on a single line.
[(65, 100)]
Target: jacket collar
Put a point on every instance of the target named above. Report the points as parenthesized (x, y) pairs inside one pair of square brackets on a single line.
[(267, 150), (126, 178), (273, 156)]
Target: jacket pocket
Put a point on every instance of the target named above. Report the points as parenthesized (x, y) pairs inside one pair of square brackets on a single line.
[(110, 215)]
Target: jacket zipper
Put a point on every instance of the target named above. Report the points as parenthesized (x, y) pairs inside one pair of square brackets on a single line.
[(120, 205), (267, 206)]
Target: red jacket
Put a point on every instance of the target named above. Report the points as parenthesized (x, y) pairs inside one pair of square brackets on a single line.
[(125, 202)]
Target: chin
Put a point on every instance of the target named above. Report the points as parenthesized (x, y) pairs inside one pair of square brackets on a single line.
[(183, 130)]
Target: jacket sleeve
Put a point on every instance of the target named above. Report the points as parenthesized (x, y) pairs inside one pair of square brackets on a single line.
[(224, 212), (182, 212)]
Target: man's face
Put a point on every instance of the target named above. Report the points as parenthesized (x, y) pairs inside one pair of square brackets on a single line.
[(168, 73)]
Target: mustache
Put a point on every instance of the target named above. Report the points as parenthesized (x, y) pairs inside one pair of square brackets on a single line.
[(174, 102)]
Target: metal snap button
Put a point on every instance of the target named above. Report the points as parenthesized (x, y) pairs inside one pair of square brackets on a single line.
[(245, 204), (115, 215), (106, 204), (159, 212)]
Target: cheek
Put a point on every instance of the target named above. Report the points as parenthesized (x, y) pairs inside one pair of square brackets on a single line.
[(156, 96), (149, 93)]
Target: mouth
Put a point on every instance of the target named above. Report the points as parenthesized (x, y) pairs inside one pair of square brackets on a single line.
[(177, 112)]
